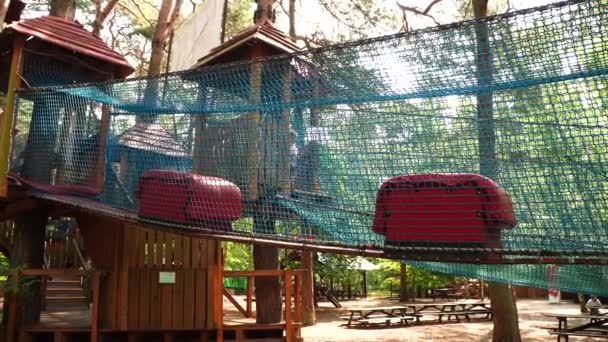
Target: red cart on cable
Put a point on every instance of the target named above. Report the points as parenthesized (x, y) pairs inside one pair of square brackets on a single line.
[(449, 211), (188, 198)]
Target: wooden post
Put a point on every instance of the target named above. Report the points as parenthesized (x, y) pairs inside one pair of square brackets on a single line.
[(6, 126), (95, 285), (289, 337), (104, 128), (253, 125), (403, 283), (217, 283), (308, 290), (28, 249), (297, 299), (11, 321), (284, 150), (249, 295)]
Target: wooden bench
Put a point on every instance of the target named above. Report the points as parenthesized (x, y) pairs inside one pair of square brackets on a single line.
[(579, 333), (458, 314), (467, 314), (385, 320)]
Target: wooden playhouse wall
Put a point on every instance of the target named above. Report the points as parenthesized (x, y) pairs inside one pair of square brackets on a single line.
[(132, 257)]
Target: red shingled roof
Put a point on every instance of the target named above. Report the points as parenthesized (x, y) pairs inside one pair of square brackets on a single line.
[(265, 32), (71, 35)]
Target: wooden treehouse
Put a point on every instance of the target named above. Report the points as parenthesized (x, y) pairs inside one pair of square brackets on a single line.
[(135, 281)]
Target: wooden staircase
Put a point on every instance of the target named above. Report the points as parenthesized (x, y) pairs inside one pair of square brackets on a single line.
[(65, 293)]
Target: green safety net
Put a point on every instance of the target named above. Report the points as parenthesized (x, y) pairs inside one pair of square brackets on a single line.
[(311, 137)]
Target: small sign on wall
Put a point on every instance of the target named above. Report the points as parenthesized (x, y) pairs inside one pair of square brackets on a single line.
[(166, 277)]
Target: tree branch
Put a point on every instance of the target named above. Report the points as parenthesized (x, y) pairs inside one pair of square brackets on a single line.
[(417, 11), (430, 6), (328, 8), (102, 14)]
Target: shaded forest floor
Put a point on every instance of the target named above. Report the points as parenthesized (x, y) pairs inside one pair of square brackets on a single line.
[(531, 322)]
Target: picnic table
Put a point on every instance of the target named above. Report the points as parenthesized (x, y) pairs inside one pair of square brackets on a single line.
[(402, 314), (455, 310), (378, 316), (446, 292), (593, 325)]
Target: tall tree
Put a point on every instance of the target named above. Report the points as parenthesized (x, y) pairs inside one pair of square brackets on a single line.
[(169, 10), (63, 8), (101, 14), (504, 308), (3, 9), (267, 289)]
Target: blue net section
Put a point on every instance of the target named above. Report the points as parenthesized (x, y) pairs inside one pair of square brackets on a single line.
[(479, 141)]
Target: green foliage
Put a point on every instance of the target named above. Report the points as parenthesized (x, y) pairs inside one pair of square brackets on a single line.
[(237, 256), (337, 269), (240, 15), (388, 276)]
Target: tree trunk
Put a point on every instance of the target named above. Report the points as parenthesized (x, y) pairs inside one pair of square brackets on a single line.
[(267, 289), (28, 251), (263, 11), (506, 325), (403, 295), (3, 9), (164, 25), (63, 8), (504, 313), (581, 302), (292, 19), (167, 16), (102, 14), (308, 290)]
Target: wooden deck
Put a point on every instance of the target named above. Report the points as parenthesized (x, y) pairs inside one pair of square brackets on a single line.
[(76, 321), (71, 323)]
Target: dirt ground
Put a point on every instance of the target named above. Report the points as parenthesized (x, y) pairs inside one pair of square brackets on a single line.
[(531, 322)]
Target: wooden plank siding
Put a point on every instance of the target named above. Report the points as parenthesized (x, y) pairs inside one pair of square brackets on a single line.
[(132, 258)]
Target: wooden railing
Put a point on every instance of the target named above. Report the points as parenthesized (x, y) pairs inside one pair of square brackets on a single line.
[(292, 313), (11, 322)]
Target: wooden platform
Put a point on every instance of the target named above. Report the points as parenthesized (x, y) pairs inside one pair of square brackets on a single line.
[(71, 324)]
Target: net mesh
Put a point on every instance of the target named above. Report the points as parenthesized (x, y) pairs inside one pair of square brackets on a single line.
[(519, 98)]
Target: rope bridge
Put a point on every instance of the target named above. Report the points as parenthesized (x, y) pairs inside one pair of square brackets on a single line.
[(310, 138)]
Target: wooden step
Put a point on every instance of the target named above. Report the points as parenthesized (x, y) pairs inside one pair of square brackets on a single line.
[(55, 290), (63, 281), (66, 298)]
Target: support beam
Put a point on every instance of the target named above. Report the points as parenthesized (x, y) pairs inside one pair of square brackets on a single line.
[(6, 126), (403, 295), (28, 250), (308, 303), (267, 289)]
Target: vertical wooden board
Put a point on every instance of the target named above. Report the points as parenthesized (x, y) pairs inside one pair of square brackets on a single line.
[(178, 259), (144, 252), (167, 248), (133, 299), (189, 298), (200, 299), (162, 248), (138, 246), (187, 252), (123, 292), (195, 245), (131, 241), (211, 253), (145, 298), (178, 300), (166, 306), (210, 289), (154, 252), (123, 288), (155, 300)]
